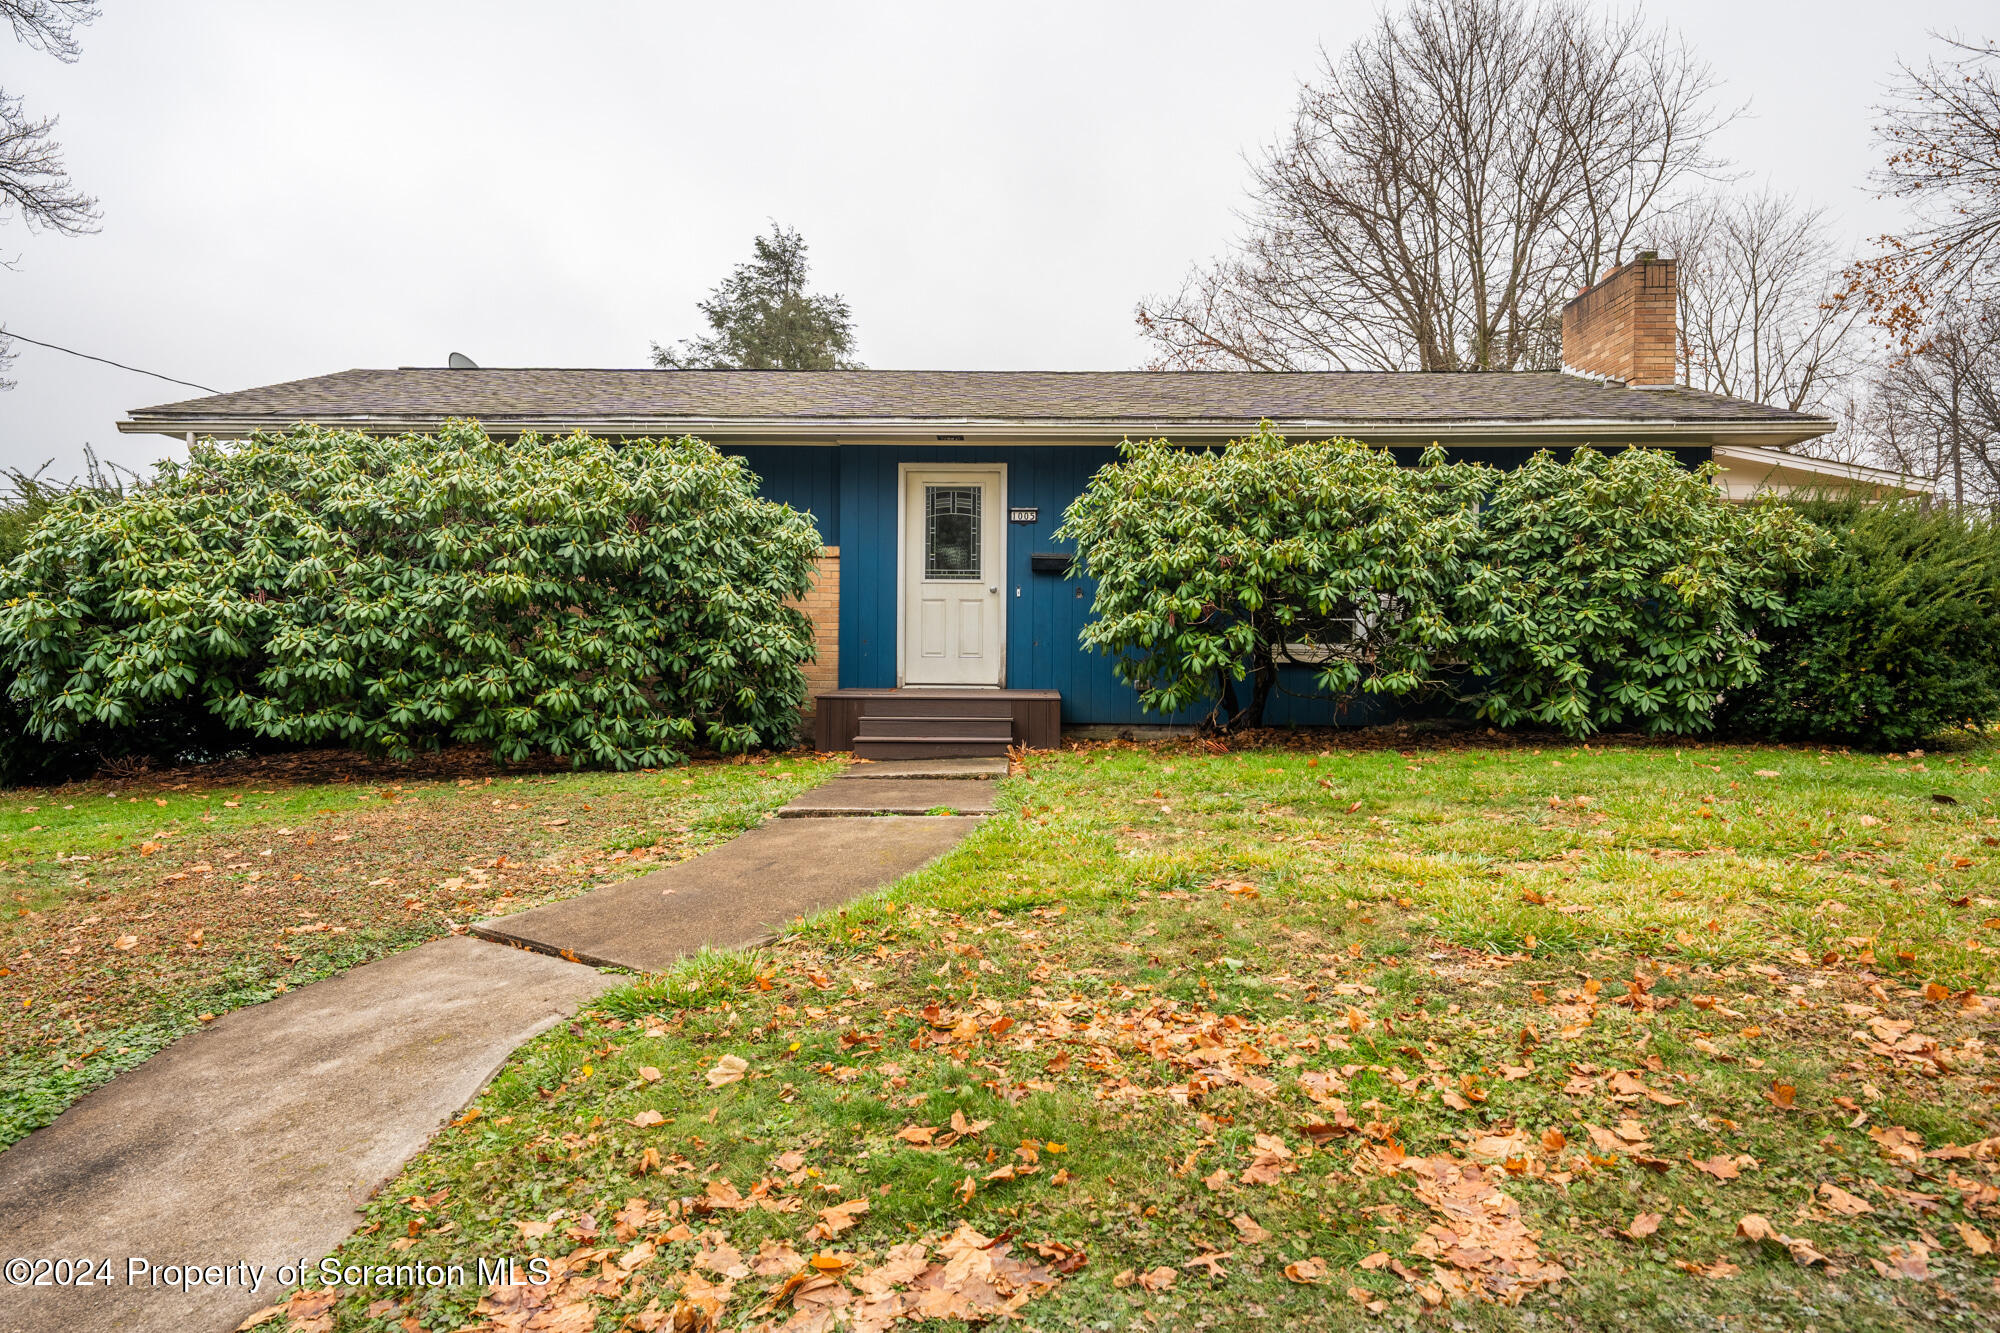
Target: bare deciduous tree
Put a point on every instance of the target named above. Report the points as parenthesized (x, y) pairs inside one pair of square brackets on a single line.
[(49, 25), (33, 179), (1761, 314), (1942, 129), (1934, 412), (1445, 186)]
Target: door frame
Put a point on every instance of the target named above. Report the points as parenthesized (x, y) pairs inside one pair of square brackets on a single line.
[(903, 471)]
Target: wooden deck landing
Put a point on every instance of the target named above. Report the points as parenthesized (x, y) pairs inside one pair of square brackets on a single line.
[(924, 722)]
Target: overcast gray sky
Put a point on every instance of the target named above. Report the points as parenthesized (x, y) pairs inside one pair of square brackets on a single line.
[(290, 189)]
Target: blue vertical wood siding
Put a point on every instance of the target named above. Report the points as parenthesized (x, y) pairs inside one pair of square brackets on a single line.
[(804, 476), (851, 492)]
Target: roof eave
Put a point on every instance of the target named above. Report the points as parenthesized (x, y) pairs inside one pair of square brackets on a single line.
[(829, 429)]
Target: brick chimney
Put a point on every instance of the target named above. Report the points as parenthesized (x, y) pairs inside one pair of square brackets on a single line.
[(1624, 327)]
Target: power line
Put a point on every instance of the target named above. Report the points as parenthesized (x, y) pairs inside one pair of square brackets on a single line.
[(9, 333)]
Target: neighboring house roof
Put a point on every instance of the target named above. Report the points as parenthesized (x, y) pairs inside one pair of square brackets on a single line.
[(1537, 405), (1749, 471)]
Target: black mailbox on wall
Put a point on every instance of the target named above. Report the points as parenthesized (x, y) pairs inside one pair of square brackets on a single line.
[(1050, 562)]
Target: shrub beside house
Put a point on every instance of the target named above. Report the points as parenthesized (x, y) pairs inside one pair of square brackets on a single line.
[(1893, 638), (1604, 591), (617, 605)]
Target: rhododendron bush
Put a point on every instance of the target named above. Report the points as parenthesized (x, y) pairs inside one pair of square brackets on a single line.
[(618, 603)]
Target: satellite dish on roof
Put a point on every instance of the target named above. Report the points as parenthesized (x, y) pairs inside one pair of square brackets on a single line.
[(460, 361)]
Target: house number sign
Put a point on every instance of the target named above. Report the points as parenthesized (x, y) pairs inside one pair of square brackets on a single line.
[(1023, 515)]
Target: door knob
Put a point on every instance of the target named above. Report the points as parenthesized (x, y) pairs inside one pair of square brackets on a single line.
[(993, 589)]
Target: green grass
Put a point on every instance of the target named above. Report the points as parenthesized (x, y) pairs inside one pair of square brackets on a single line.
[(1153, 957), (131, 912)]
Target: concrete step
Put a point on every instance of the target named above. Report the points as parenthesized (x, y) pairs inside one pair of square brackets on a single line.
[(983, 770), (930, 747), (892, 796)]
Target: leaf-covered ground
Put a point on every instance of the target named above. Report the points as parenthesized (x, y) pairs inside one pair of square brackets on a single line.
[(1623, 1037), (132, 911)]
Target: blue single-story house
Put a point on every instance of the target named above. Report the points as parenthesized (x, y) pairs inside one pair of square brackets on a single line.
[(944, 614)]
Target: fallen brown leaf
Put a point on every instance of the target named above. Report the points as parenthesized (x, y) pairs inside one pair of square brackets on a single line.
[(1753, 1227), (1909, 1261), (727, 1070), (1211, 1261), (1721, 1166), (1248, 1228), (840, 1217), (1306, 1271)]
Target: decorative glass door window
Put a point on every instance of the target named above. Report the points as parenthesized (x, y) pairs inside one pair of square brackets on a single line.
[(951, 532)]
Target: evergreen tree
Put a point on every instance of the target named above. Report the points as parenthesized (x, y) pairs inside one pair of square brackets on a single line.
[(764, 319)]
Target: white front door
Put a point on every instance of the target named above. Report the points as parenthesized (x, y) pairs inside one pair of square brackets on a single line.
[(953, 557)]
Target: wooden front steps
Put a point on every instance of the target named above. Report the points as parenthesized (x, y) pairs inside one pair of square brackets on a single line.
[(936, 723)]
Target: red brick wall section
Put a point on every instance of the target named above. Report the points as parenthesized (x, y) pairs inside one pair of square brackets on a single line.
[(822, 606), (1624, 327)]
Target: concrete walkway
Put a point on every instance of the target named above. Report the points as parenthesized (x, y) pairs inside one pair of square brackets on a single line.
[(260, 1136), (977, 770), (733, 895), (892, 796), (256, 1140)]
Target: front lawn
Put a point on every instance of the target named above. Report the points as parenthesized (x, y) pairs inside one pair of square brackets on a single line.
[(1500, 1036), (133, 911)]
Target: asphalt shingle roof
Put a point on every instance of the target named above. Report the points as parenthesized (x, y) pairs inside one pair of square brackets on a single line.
[(1225, 398)]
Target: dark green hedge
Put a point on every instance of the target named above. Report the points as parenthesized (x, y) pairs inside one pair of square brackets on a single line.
[(1896, 637)]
